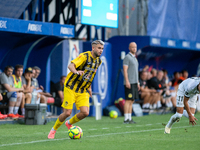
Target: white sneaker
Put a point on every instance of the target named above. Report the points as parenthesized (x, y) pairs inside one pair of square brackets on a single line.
[(167, 130)]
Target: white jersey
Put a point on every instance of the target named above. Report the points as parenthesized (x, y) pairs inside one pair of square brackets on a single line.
[(189, 87)]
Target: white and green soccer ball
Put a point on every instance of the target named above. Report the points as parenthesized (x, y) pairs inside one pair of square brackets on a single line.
[(113, 114), (75, 132)]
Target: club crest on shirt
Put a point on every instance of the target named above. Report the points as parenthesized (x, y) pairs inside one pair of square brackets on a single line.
[(66, 103)]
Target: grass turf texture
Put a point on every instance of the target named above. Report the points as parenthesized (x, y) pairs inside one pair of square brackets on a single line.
[(107, 133)]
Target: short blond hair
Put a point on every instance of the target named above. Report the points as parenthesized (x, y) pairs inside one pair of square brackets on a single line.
[(98, 42)]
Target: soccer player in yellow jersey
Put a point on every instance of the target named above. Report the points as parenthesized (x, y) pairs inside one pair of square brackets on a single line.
[(78, 84)]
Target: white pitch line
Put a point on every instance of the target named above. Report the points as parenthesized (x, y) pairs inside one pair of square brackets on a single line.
[(3, 145), (139, 125)]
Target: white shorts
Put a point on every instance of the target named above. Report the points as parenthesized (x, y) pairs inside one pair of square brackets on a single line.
[(179, 100)]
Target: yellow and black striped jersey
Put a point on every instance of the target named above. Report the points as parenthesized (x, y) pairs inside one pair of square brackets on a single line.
[(89, 65)]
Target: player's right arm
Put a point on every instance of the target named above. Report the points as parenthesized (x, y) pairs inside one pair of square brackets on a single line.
[(125, 69), (187, 107), (76, 63), (72, 68)]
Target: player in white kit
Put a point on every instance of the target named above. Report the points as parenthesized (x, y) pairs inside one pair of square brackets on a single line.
[(186, 97)]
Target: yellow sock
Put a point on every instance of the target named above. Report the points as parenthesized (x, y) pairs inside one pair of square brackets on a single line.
[(74, 119), (57, 124)]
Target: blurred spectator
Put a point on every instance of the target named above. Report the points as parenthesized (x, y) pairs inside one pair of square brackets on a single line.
[(26, 79), (145, 68), (156, 83), (18, 83), (43, 95), (170, 90), (154, 72), (175, 80), (28, 75), (149, 75), (145, 93), (59, 87), (165, 79), (9, 92), (183, 77)]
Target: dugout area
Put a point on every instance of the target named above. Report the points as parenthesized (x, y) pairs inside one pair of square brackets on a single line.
[(160, 53)]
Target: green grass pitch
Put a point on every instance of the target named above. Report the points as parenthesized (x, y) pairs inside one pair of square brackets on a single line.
[(105, 134)]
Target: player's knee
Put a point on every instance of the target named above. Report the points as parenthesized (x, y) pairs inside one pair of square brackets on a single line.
[(178, 115), (29, 95), (19, 95), (85, 113), (67, 113), (12, 96), (148, 94)]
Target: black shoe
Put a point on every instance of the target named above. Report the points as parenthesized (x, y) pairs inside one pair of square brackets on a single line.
[(132, 122), (126, 121)]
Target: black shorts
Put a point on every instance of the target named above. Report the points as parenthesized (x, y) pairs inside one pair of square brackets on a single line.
[(5, 98), (132, 93)]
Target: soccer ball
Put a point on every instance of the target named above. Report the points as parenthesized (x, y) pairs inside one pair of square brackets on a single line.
[(75, 132), (113, 114)]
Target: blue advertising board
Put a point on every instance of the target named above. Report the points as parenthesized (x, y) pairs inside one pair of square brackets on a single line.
[(174, 43), (100, 13), (36, 27)]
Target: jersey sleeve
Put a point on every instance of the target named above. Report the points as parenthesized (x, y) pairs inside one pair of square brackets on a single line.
[(126, 61), (3, 79), (190, 87), (79, 60)]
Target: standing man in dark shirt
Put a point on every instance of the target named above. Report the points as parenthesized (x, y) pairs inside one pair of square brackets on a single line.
[(59, 87), (131, 83)]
